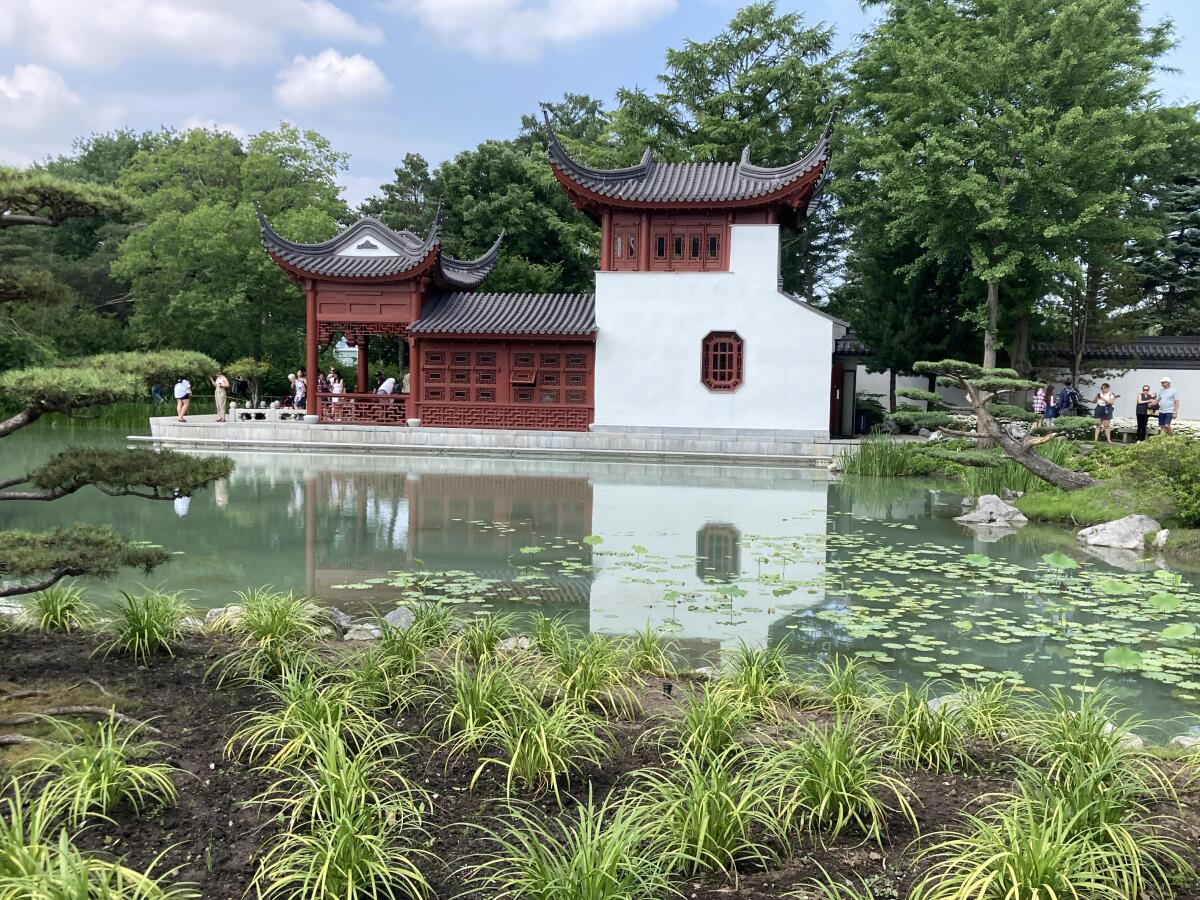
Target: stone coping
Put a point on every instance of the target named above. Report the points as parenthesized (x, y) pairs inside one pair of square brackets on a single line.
[(718, 446)]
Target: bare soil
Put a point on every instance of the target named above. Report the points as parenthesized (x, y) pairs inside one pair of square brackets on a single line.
[(214, 835)]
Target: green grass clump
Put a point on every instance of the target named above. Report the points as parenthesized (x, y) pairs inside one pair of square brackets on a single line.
[(547, 631), (1089, 506), (61, 608), (90, 771), (593, 673), (433, 624), (277, 630), (883, 456), (649, 653), (831, 780), (483, 635), (304, 708), (990, 712), (38, 861), (540, 749), (1010, 474), (760, 677), (843, 685), (147, 625), (600, 852), (472, 700), (707, 814), (921, 737), (714, 720)]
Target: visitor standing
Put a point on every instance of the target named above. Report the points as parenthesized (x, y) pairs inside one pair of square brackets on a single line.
[(157, 394), (220, 394), (1147, 403), (1168, 406), (1039, 401), (183, 397), (1050, 413), (1105, 402), (301, 388), (1068, 399)]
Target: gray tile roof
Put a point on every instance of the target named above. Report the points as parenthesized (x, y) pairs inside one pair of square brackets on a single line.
[(1169, 350), (405, 253), (540, 314), (651, 181)]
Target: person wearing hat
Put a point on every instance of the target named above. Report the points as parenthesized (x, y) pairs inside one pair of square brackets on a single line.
[(1168, 405)]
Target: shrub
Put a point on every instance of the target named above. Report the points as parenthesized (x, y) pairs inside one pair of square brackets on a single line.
[(832, 779), (472, 700), (147, 625), (600, 852), (93, 770), (62, 608)]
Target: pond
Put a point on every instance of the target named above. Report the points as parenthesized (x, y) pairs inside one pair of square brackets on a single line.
[(712, 555)]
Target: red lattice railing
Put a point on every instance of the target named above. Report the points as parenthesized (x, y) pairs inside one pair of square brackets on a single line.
[(363, 409), (501, 415)]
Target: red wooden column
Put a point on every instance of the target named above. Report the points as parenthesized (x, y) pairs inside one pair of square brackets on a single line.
[(412, 403), (311, 375), (362, 365), (643, 256), (605, 240)]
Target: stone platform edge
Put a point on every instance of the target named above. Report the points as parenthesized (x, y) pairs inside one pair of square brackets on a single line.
[(755, 447)]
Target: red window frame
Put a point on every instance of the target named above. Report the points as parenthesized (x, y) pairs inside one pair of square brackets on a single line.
[(721, 361)]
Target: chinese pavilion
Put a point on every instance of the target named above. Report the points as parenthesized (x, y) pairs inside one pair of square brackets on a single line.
[(687, 328)]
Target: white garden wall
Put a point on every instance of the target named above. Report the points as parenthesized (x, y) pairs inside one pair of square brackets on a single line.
[(648, 349)]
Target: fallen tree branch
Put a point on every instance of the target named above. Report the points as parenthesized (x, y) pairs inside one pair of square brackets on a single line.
[(97, 711), (8, 740)]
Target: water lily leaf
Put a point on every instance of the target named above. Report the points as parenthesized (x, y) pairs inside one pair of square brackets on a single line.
[(977, 559), (1059, 560), (1122, 658), (1115, 588), (529, 550), (1167, 603), (593, 539), (1179, 631)]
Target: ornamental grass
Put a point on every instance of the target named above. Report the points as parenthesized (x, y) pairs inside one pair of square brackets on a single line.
[(61, 608), (147, 625)]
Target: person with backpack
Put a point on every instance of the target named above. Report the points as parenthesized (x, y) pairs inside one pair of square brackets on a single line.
[(1069, 399)]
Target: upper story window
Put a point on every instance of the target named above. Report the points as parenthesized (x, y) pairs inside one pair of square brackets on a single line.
[(721, 361)]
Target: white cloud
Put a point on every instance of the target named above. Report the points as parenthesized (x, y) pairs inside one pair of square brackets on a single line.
[(40, 114), (210, 124), (100, 34), (522, 29), (329, 79)]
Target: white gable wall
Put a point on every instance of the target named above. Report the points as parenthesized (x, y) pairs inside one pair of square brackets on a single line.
[(648, 348)]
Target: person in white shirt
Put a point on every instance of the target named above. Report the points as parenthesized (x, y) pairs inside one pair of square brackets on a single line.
[(388, 386), (1168, 406), (1106, 402), (183, 397)]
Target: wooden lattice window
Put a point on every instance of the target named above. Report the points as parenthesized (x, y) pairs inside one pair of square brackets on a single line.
[(721, 361)]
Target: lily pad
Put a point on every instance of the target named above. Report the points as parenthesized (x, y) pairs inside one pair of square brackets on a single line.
[(1059, 560), (1122, 658)]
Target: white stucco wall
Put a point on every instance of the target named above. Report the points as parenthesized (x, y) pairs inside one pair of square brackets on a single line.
[(876, 384), (651, 325)]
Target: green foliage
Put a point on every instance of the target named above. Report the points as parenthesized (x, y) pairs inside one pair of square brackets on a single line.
[(276, 631), (149, 624), (649, 653), (91, 771), (1169, 462), (920, 736), (760, 678), (139, 472), (991, 712), (593, 673), (845, 686), (930, 397), (61, 608), (598, 852), (833, 779), (473, 700), (50, 199), (948, 367), (882, 456), (540, 749), (38, 860), (1007, 474), (707, 813), (713, 720), (483, 635), (75, 550)]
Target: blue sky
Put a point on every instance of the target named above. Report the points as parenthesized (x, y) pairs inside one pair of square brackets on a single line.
[(380, 78)]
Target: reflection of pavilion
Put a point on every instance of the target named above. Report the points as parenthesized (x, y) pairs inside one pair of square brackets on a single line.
[(717, 529)]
